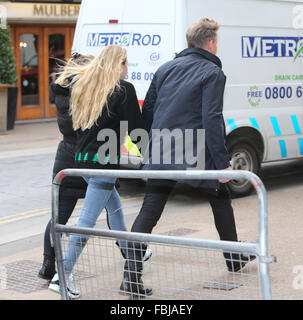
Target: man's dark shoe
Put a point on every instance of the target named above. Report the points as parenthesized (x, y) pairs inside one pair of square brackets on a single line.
[(48, 269), (134, 285), (237, 262)]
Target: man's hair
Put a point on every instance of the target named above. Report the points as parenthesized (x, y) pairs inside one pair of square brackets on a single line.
[(201, 32)]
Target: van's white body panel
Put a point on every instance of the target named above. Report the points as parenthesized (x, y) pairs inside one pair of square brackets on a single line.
[(264, 89)]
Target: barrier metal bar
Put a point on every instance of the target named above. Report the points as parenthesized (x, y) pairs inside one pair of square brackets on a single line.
[(260, 247), (141, 237)]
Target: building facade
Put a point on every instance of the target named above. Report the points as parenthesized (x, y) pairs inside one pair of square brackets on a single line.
[(42, 35)]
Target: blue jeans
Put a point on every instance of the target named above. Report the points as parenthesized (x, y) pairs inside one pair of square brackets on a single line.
[(101, 193)]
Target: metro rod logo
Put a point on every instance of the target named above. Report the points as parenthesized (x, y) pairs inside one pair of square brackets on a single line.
[(122, 39), (274, 47)]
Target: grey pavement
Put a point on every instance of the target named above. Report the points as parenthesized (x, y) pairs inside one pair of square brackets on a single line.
[(26, 158)]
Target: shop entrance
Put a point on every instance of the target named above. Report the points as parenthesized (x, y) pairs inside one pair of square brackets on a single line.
[(39, 51)]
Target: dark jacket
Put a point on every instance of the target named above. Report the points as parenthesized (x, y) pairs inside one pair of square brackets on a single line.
[(187, 93), (72, 187), (122, 106)]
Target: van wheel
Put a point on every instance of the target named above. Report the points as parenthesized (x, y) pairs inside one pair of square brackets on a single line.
[(244, 157)]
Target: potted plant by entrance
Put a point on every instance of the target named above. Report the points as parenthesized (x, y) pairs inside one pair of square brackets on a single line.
[(8, 79)]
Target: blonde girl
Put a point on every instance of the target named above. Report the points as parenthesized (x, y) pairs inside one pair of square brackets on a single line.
[(100, 100)]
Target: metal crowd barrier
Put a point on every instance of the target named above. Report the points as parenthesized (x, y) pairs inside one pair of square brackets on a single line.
[(259, 248)]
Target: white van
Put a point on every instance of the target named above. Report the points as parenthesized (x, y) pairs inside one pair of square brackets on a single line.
[(261, 53)]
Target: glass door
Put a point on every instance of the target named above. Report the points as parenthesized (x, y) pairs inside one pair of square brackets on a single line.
[(39, 51), (29, 60), (57, 45)]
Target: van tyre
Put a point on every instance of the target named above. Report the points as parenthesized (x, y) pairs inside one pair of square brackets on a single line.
[(245, 157)]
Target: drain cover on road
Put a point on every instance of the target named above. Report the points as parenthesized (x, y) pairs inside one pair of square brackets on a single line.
[(226, 286), (180, 232), (22, 276)]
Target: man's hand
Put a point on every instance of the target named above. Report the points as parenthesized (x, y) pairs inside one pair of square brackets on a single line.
[(225, 180)]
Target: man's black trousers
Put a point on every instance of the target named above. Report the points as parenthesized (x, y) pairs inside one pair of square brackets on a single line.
[(157, 193)]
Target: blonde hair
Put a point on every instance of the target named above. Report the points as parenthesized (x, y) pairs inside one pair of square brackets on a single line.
[(201, 32), (71, 67), (94, 84)]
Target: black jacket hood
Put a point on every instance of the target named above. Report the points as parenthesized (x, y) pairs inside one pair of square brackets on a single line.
[(59, 90)]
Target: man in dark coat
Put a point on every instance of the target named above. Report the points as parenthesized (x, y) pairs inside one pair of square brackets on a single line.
[(187, 93)]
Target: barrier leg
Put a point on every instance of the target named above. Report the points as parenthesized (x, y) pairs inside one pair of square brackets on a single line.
[(263, 241), (57, 241)]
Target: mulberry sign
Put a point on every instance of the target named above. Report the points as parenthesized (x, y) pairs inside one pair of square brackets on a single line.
[(17, 12), (56, 10)]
